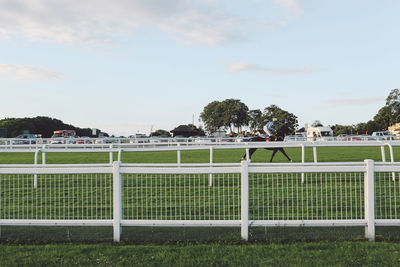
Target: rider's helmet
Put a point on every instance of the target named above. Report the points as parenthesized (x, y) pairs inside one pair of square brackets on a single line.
[(274, 119)]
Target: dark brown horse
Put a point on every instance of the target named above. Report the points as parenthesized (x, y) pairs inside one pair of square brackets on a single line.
[(278, 137)]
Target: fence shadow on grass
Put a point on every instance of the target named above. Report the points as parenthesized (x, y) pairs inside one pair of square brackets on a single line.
[(184, 235)]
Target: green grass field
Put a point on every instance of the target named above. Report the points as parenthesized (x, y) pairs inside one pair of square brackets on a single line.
[(80, 246), (325, 154)]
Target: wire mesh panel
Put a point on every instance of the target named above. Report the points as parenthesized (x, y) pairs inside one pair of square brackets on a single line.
[(387, 195), (56, 197), (322, 196), (181, 197)]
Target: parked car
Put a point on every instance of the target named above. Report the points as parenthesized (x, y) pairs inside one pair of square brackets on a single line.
[(25, 139), (382, 135), (84, 140)]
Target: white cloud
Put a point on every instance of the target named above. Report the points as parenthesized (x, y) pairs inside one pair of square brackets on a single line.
[(294, 7), (353, 101), (27, 73), (93, 21), (242, 66)]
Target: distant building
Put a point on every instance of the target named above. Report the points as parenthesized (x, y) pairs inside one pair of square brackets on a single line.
[(394, 129)]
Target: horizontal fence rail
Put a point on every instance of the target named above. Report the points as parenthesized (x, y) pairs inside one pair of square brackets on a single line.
[(242, 195)]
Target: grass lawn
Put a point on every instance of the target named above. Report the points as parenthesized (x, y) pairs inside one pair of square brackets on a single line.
[(294, 254), (325, 154)]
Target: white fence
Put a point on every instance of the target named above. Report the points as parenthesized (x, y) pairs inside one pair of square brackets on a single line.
[(241, 195)]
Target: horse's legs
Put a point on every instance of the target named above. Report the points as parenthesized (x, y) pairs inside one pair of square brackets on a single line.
[(251, 152), (284, 153), (276, 150), (273, 154)]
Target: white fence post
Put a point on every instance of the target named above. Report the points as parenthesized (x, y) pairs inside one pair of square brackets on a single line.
[(117, 209), (43, 155), (383, 154), (35, 175), (369, 199), (111, 154), (210, 178), (315, 154), (178, 154), (302, 161), (245, 200)]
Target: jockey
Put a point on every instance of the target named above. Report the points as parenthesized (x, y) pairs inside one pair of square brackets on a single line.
[(269, 128)]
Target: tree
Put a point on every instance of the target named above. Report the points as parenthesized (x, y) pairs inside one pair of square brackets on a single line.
[(317, 123), (226, 114), (255, 119), (287, 122), (342, 129), (162, 133), (212, 116), (384, 118), (393, 102), (39, 125), (234, 114)]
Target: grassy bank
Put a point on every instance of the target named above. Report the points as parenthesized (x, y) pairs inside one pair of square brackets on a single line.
[(306, 254)]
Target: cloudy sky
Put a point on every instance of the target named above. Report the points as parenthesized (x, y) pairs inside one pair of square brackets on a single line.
[(128, 66)]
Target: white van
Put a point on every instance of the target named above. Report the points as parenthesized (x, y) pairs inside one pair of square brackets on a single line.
[(320, 134)]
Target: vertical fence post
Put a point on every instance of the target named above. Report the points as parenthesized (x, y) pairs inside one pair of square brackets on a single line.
[(383, 154), (391, 160), (111, 154), (245, 200), (119, 154), (210, 178), (35, 175), (43, 155), (369, 199), (315, 154), (302, 161), (117, 209), (178, 154)]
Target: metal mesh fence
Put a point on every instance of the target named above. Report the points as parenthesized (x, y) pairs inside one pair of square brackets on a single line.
[(387, 195), (322, 196), (56, 197), (181, 197), (272, 196)]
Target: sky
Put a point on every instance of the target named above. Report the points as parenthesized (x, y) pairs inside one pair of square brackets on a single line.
[(132, 66)]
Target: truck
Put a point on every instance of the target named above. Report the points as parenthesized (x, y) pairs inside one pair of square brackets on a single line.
[(382, 135), (63, 137), (320, 133)]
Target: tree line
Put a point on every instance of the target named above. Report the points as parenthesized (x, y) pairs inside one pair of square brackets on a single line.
[(386, 116), (233, 114), (44, 126)]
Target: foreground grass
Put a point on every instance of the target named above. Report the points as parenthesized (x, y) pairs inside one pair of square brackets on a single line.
[(306, 254)]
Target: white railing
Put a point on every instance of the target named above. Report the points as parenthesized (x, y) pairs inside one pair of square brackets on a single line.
[(241, 195)]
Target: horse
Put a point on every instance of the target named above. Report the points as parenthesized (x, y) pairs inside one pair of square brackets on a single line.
[(275, 138)]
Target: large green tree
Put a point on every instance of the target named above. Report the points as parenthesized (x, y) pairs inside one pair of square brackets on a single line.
[(227, 114), (161, 133), (255, 119), (234, 114), (287, 122), (393, 102), (212, 116)]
